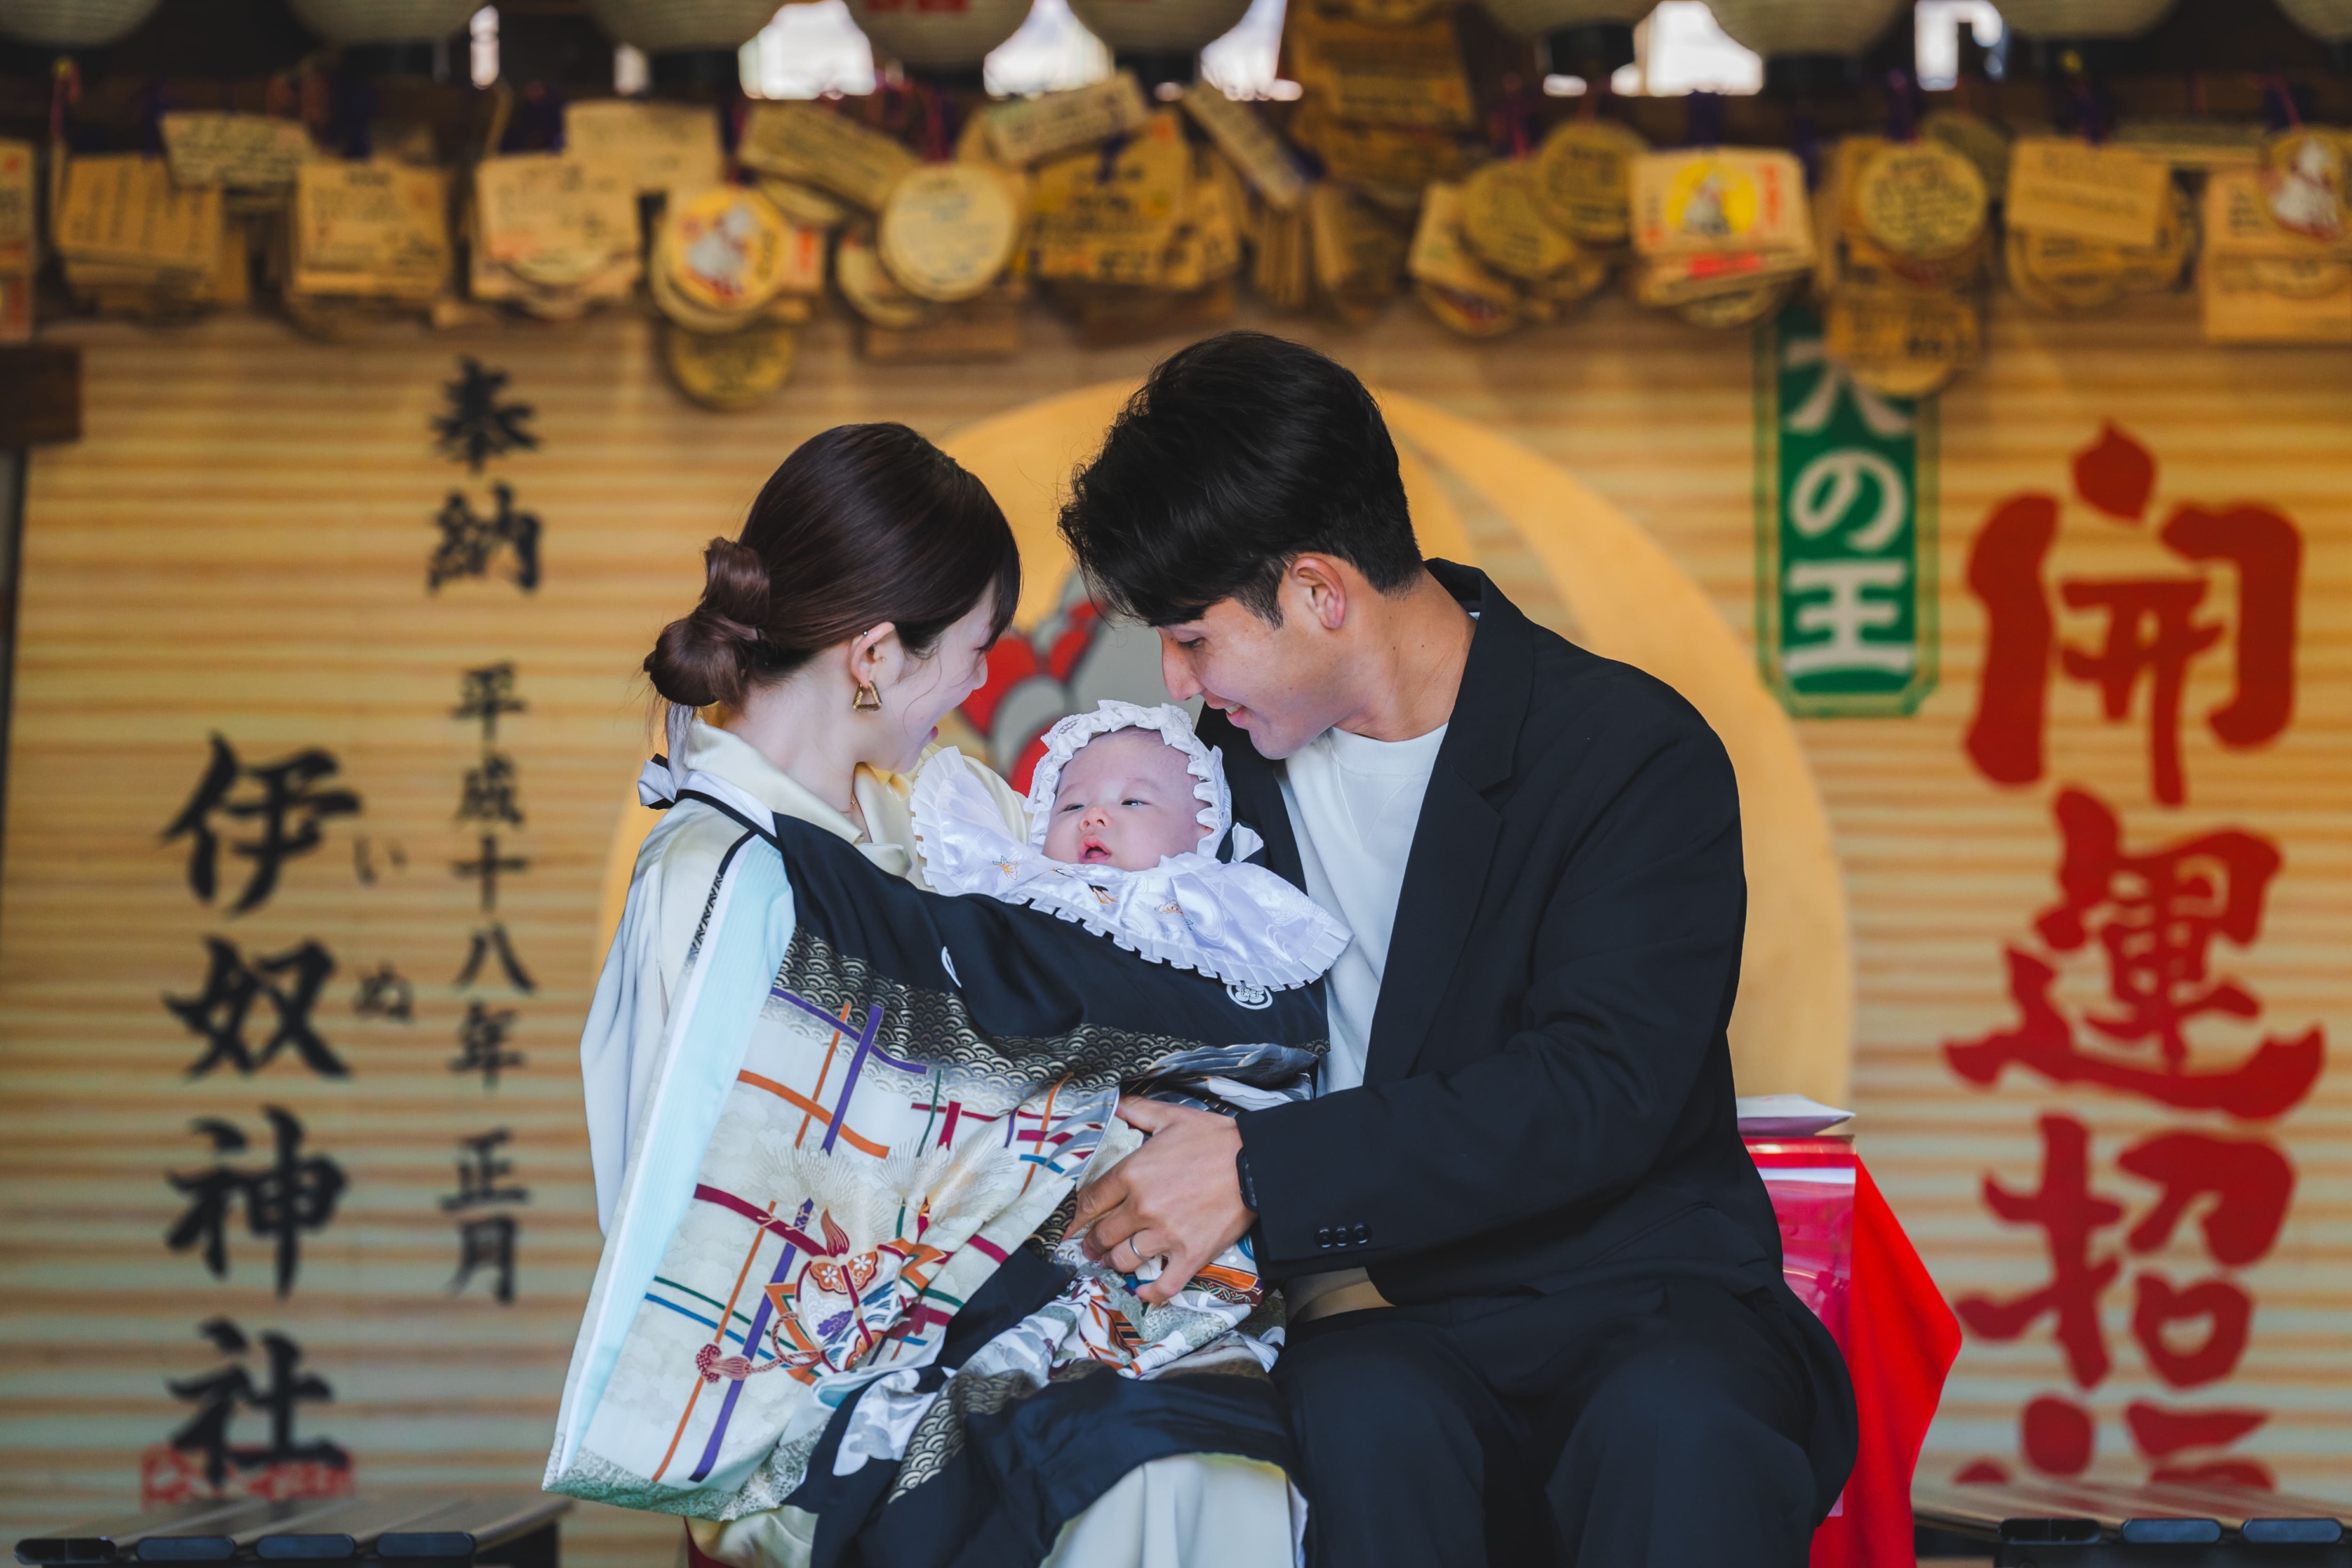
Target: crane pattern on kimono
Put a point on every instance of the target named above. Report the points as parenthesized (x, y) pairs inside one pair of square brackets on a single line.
[(841, 1307)]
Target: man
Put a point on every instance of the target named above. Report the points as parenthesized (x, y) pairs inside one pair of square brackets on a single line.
[(1534, 1280)]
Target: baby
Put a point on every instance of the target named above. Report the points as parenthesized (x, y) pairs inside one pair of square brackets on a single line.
[(1128, 813)]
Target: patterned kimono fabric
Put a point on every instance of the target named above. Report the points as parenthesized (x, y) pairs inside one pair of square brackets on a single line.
[(836, 1312)]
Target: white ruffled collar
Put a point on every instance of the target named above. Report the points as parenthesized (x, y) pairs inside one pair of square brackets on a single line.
[(703, 759), (1242, 924)]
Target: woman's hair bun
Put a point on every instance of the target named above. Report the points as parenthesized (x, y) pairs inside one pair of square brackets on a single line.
[(735, 583), (862, 524), (703, 658)]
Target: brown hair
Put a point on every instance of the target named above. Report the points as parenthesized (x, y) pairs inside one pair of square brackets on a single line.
[(862, 524)]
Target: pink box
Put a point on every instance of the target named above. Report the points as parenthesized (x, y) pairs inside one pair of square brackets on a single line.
[(1811, 1183)]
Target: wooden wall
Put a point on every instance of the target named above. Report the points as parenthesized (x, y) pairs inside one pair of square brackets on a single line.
[(241, 546)]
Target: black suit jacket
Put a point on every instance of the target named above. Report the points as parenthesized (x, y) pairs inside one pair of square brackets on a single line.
[(1546, 1103)]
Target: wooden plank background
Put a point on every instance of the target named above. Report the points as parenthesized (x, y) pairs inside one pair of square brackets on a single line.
[(239, 545)]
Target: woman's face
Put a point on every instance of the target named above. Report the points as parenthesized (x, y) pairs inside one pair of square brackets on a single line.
[(929, 688)]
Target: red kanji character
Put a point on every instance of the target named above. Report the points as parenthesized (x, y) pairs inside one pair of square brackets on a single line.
[(2166, 908), (2149, 629), (2156, 1306), (2068, 1212), (2251, 1182), (2161, 1434), (2155, 918)]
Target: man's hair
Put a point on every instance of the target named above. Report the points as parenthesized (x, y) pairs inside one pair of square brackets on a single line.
[(1239, 455)]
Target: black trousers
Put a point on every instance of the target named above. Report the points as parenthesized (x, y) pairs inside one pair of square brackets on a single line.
[(1530, 1431)]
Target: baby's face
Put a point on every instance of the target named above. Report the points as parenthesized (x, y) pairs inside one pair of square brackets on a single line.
[(1125, 800)]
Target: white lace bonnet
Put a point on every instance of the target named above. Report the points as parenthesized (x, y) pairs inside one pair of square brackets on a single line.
[(1171, 724)]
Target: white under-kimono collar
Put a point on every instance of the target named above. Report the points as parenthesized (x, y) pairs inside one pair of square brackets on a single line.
[(1243, 924), (719, 765)]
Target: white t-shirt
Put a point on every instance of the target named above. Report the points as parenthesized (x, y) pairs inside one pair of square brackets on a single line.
[(1354, 803)]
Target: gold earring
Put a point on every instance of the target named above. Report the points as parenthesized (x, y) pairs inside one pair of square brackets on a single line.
[(868, 699)]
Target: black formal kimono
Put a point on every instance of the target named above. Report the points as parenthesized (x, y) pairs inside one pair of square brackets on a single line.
[(1593, 1355)]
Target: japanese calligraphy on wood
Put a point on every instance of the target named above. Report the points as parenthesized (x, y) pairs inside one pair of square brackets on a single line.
[(242, 545)]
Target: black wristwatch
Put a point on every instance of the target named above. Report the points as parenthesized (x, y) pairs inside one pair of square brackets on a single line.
[(1241, 1173)]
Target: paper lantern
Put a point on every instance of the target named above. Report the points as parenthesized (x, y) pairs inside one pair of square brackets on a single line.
[(1158, 26), (2083, 19), (1791, 28), (71, 24), (384, 21), (2330, 21), (937, 41), (669, 27)]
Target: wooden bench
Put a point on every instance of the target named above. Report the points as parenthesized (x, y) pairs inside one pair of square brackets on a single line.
[(2040, 1523), (442, 1530)]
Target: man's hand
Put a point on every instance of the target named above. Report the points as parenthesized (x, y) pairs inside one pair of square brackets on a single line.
[(1177, 1197)]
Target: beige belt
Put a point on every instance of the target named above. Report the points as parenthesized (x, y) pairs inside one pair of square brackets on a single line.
[(1355, 1297)]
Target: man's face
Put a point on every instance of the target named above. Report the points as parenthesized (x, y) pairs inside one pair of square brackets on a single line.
[(1275, 681)]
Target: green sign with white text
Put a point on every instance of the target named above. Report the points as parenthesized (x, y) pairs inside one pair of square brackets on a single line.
[(1845, 532)]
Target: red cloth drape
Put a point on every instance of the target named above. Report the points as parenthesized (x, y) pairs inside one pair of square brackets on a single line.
[(1900, 1342)]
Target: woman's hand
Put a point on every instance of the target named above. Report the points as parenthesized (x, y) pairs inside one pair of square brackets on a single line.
[(1177, 1198)]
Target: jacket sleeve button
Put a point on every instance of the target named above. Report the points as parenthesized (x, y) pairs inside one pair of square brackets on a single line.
[(1323, 1236), (1364, 1235)]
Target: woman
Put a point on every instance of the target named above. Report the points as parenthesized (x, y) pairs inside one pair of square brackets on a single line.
[(854, 613)]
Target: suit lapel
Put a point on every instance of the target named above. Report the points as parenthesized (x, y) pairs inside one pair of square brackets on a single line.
[(1446, 871), (1454, 843)]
